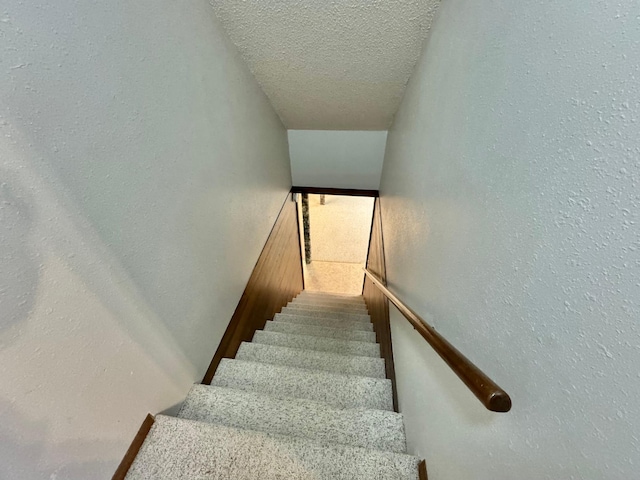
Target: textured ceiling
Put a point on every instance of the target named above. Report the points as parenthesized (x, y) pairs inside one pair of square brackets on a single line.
[(330, 65)]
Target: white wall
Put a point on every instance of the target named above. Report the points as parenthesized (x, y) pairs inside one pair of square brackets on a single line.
[(337, 159), (511, 203), (141, 169)]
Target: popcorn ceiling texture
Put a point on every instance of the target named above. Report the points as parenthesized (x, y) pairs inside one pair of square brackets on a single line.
[(330, 65)]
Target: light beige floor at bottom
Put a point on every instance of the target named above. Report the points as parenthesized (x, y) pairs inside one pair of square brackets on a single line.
[(339, 241), (334, 277)]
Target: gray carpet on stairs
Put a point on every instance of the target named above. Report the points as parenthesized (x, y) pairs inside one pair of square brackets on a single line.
[(377, 429), (296, 310), (177, 448), (307, 398), (342, 391), (320, 331), (329, 306), (322, 344), (325, 322), (313, 360)]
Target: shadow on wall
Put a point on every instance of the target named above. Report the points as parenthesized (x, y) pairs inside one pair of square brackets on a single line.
[(123, 140), (21, 437), (147, 153), (40, 225), (18, 264), (72, 324)]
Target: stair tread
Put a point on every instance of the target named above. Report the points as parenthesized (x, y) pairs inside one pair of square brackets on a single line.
[(323, 344), (325, 322), (363, 317), (312, 359), (177, 448), (375, 429), (341, 391), (320, 331)]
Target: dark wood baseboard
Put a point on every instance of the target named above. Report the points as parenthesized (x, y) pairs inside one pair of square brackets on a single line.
[(422, 470), (350, 192), (276, 278), (134, 448)]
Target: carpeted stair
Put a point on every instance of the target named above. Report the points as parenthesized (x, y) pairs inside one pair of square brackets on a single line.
[(306, 399)]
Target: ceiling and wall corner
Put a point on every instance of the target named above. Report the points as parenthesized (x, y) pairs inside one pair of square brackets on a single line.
[(330, 65)]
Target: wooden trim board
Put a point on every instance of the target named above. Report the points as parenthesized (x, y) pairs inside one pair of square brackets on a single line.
[(134, 448), (377, 303), (422, 470), (350, 192)]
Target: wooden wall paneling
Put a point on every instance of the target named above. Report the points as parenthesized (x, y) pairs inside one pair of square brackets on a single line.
[(282, 284), (276, 278), (377, 303), (272, 281)]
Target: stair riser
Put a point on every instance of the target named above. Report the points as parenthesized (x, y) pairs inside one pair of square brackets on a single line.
[(312, 360), (332, 310), (316, 331), (342, 347), (324, 322), (328, 305), (331, 298), (336, 315)]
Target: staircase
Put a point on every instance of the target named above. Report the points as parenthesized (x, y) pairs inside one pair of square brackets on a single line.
[(306, 399)]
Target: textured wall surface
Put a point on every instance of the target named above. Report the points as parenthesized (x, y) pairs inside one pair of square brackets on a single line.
[(141, 169), (511, 203), (330, 65), (335, 159)]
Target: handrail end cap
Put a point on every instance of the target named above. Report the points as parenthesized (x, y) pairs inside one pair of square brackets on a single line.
[(499, 402)]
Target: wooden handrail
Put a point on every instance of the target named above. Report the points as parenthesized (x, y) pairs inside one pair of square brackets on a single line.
[(488, 392)]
